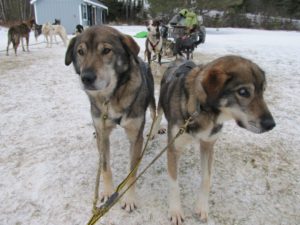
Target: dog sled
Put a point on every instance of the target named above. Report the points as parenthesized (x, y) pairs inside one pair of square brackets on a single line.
[(183, 33)]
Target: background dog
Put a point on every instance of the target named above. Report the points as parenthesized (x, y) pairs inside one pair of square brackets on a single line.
[(120, 87), (154, 41), (56, 22), (168, 45), (78, 29), (230, 87), (17, 33), (37, 30), (50, 31), (187, 45)]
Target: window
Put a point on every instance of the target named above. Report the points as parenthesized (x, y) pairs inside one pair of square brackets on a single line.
[(84, 11)]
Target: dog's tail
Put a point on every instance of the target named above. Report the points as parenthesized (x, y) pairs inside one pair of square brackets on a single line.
[(201, 38)]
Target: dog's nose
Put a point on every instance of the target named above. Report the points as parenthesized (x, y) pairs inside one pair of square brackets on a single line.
[(267, 122), (88, 77)]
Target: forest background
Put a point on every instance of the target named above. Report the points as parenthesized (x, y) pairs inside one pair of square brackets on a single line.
[(262, 14)]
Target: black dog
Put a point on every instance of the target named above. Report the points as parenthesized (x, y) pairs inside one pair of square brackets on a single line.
[(37, 30), (79, 29), (187, 45), (56, 22)]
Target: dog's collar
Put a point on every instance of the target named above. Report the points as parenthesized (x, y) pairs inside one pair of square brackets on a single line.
[(105, 115)]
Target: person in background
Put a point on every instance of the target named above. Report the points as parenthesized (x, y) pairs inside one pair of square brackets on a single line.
[(191, 21), (186, 18), (179, 19)]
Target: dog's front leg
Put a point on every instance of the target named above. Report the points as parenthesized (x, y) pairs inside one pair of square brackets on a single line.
[(176, 214), (159, 57), (55, 39), (134, 131), (7, 49), (22, 42), (102, 135), (27, 42), (149, 56), (206, 167), (51, 40), (47, 40), (145, 55)]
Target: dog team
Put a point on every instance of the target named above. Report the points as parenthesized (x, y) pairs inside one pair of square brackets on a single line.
[(120, 87), (18, 32)]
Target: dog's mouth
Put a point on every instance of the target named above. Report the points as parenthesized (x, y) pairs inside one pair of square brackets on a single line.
[(96, 86), (251, 126), (89, 87)]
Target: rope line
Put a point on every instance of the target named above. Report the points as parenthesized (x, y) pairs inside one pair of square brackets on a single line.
[(38, 43)]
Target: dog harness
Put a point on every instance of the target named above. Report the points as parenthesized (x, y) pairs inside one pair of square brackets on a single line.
[(182, 70), (153, 45)]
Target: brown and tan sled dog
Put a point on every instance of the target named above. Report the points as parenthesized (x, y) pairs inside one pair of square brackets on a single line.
[(230, 87), (118, 85), (17, 33)]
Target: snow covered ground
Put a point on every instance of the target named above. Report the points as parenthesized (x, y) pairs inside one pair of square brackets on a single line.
[(48, 156)]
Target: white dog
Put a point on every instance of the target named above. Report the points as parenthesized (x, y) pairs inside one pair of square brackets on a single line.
[(154, 41), (50, 30)]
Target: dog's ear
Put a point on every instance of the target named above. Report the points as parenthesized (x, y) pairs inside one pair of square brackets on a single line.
[(213, 84), (130, 46), (197, 94), (69, 54)]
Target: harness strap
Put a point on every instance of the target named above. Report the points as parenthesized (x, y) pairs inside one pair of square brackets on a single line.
[(153, 45)]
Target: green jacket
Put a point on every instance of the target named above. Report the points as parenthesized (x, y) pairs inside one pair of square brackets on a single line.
[(191, 19)]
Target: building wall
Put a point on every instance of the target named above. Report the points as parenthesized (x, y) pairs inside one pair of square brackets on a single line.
[(99, 13), (68, 11), (65, 10), (99, 18)]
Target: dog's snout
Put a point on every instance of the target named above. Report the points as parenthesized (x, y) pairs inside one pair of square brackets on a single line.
[(267, 122), (88, 77)]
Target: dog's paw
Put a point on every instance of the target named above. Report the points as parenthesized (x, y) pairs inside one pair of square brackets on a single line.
[(129, 202), (176, 217), (129, 206), (104, 196), (202, 210), (162, 131), (152, 136)]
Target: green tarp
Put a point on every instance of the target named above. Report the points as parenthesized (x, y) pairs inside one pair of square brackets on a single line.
[(142, 34)]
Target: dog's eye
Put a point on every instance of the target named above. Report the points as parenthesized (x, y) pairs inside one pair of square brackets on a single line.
[(106, 51), (80, 52), (244, 92)]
